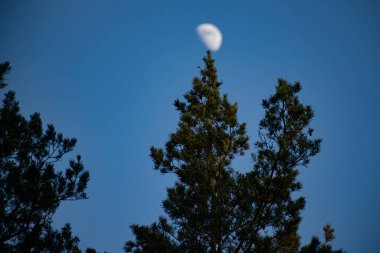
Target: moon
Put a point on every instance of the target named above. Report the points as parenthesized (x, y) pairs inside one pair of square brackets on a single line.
[(210, 35)]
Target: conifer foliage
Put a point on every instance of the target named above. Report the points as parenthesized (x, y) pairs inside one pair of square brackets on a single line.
[(31, 187), (213, 207)]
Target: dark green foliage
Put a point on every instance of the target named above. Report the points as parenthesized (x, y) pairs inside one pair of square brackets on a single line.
[(315, 246), (4, 69), (91, 250), (214, 208), (155, 238), (31, 188)]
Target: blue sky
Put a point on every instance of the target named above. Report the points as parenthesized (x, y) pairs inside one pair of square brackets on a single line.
[(107, 73)]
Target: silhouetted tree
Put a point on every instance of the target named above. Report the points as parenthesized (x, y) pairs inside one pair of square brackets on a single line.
[(31, 188), (214, 208)]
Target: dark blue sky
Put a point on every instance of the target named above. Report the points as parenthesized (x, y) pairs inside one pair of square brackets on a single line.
[(107, 73)]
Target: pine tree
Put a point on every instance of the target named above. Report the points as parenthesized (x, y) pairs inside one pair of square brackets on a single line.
[(31, 188), (213, 207)]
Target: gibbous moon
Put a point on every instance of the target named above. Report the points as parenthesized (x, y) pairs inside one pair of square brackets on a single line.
[(210, 35)]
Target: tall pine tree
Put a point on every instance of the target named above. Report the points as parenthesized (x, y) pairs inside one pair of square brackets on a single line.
[(31, 187), (214, 208)]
